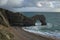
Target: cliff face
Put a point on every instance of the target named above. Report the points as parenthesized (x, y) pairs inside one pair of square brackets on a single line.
[(5, 33), (3, 18), (17, 19)]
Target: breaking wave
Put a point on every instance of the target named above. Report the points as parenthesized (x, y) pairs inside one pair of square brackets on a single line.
[(48, 30)]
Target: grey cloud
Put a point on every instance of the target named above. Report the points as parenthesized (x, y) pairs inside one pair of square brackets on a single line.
[(11, 3), (35, 9), (24, 6)]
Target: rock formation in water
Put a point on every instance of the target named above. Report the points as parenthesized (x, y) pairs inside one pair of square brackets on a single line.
[(17, 19), (41, 18)]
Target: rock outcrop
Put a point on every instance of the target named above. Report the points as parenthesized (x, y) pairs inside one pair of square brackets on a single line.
[(18, 19), (3, 18), (41, 18)]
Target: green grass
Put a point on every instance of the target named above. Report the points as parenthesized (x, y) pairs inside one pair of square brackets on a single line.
[(5, 35)]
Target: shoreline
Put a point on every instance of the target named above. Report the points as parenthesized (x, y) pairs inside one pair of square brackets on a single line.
[(41, 34), (20, 34)]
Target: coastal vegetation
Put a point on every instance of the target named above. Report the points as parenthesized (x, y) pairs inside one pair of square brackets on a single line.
[(5, 34)]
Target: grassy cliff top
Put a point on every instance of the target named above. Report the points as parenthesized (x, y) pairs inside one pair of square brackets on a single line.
[(5, 34)]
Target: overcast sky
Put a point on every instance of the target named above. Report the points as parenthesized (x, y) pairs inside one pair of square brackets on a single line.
[(30, 5)]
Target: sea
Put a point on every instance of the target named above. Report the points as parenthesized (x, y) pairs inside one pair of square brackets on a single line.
[(53, 23)]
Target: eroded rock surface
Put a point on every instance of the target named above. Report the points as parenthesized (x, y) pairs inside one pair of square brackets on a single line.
[(18, 19), (3, 18)]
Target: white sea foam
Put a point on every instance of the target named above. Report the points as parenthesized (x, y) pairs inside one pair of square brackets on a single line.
[(49, 25), (36, 30)]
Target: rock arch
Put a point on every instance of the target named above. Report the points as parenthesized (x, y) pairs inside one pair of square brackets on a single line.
[(18, 19), (41, 18)]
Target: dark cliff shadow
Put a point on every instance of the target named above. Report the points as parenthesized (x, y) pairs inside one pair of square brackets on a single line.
[(18, 19)]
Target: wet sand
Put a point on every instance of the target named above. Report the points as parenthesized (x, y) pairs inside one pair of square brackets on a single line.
[(20, 34)]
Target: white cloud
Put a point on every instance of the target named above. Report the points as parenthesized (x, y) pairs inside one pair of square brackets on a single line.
[(39, 4), (57, 10), (11, 3), (35, 9), (3, 2), (51, 4), (19, 3), (15, 2)]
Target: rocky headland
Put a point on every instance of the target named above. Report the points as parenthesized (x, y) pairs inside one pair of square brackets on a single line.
[(11, 23)]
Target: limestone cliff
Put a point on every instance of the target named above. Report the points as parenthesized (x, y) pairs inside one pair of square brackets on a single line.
[(3, 18), (5, 34), (18, 19)]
